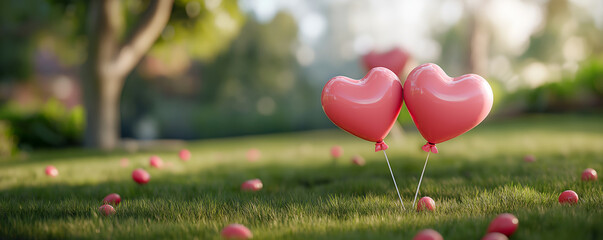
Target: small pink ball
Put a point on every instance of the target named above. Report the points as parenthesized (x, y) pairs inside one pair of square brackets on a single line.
[(505, 223), (428, 234), (236, 231), (156, 162), (219, 156), (336, 151), (495, 236), (358, 160), (184, 155), (252, 185), (589, 174), (51, 171), (113, 199), (529, 158), (141, 176), (106, 210), (425, 204), (169, 164), (568, 196), (253, 155), (124, 162)]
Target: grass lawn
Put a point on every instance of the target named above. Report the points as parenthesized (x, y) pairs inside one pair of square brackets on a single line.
[(307, 195)]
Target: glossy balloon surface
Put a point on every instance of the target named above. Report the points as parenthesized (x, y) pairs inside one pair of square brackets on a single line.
[(367, 108), (443, 107)]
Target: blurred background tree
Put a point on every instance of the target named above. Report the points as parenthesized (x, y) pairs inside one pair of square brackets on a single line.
[(113, 51), (119, 34)]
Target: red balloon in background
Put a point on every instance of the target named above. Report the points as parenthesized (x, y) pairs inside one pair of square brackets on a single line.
[(366, 108), (395, 59), (443, 107)]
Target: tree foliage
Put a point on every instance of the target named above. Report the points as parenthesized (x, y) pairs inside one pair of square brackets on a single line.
[(204, 27)]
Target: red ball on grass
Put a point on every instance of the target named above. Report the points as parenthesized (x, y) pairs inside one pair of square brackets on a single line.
[(358, 160), (51, 171), (568, 197), (156, 162), (236, 231), (113, 199), (252, 185), (106, 210), (529, 158), (184, 155), (141, 176), (428, 234), (425, 204), (124, 162), (336, 151), (589, 174), (253, 154), (495, 236), (505, 223)]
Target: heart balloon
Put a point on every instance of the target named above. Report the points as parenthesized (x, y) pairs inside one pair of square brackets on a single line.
[(367, 108), (394, 60), (443, 107)]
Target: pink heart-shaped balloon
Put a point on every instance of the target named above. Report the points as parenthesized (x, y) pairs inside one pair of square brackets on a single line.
[(394, 60), (443, 107), (367, 108)]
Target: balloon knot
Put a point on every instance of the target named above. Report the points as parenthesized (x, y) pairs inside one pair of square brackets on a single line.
[(430, 147), (380, 146)]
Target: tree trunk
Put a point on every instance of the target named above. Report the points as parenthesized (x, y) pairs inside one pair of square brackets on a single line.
[(102, 96), (110, 61)]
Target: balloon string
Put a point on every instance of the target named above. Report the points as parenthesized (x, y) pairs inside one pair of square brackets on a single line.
[(420, 179), (394, 179)]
